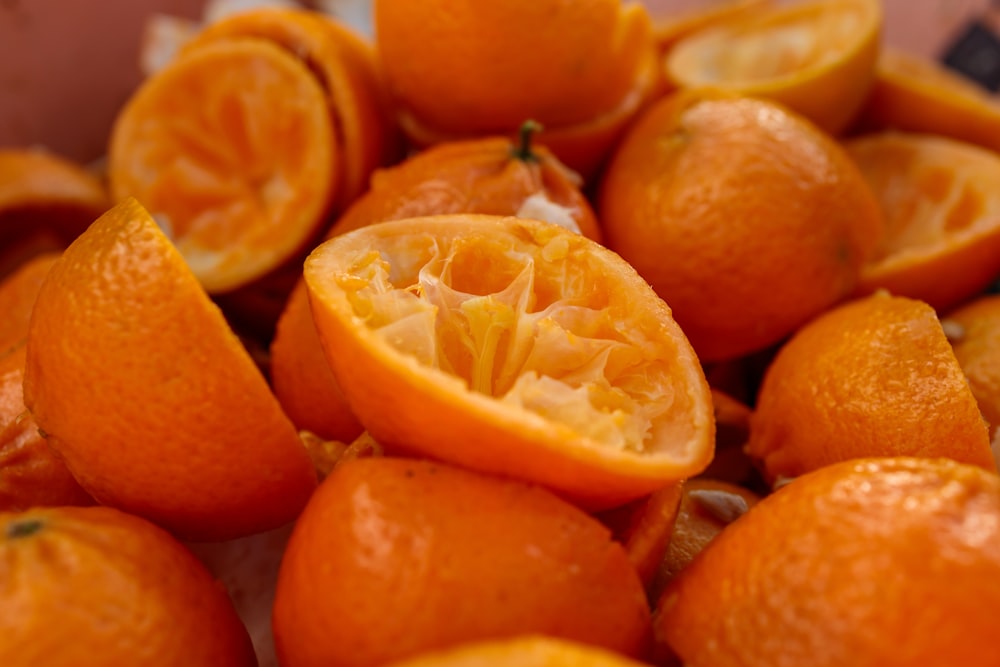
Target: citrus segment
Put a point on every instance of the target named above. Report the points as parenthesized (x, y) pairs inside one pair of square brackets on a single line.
[(392, 557), (670, 28), (941, 203), (887, 562), (231, 148), (817, 58), (913, 93), (874, 377), (512, 346), (145, 392), (95, 586)]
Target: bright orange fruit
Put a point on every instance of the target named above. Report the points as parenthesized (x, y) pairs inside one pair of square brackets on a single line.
[(816, 57), (513, 346), (148, 396), (891, 562), (941, 200), (873, 377), (96, 586), (525, 651), (581, 69), (974, 332), (778, 237), (393, 557)]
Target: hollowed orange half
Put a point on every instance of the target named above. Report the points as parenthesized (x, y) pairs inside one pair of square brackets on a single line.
[(512, 346)]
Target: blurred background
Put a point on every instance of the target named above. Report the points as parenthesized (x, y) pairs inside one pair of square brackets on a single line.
[(66, 66)]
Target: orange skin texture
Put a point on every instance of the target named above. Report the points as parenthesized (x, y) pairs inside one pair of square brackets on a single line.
[(346, 67), (888, 562), (393, 557), (301, 377), (695, 526), (977, 348), (131, 416), (45, 202), (30, 473), (774, 208), (527, 651), (469, 68), (941, 200), (873, 377), (435, 414), (96, 586), (472, 176)]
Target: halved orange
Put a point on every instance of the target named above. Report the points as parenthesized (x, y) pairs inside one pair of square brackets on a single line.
[(232, 149), (941, 200), (817, 58), (913, 93), (45, 202), (139, 385), (512, 346), (668, 29)]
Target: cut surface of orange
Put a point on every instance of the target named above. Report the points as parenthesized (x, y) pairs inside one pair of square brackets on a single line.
[(941, 203), (817, 58), (670, 28), (141, 387), (231, 148), (513, 346), (913, 93)]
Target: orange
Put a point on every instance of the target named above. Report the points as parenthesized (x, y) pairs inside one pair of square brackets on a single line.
[(974, 332), (817, 57), (581, 69), (30, 473), (643, 527), (345, 65), (512, 346), (148, 396), (45, 202), (232, 149), (491, 175), (301, 377), (525, 651), (873, 377), (941, 200), (913, 93), (706, 507), (745, 218), (95, 586), (889, 562), (17, 297), (394, 557), (670, 28)]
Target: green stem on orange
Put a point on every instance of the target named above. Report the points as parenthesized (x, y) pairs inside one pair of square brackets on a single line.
[(525, 134), (23, 528)]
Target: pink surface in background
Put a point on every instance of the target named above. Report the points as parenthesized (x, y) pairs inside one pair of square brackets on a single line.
[(66, 66)]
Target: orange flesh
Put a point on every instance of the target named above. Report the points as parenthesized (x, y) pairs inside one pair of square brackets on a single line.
[(778, 44), (930, 189), (526, 330)]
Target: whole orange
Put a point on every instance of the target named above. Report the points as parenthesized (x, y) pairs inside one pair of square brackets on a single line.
[(96, 586), (393, 557), (743, 216), (886, 562)]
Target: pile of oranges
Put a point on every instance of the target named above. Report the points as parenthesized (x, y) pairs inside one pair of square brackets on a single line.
[(528, 333)]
